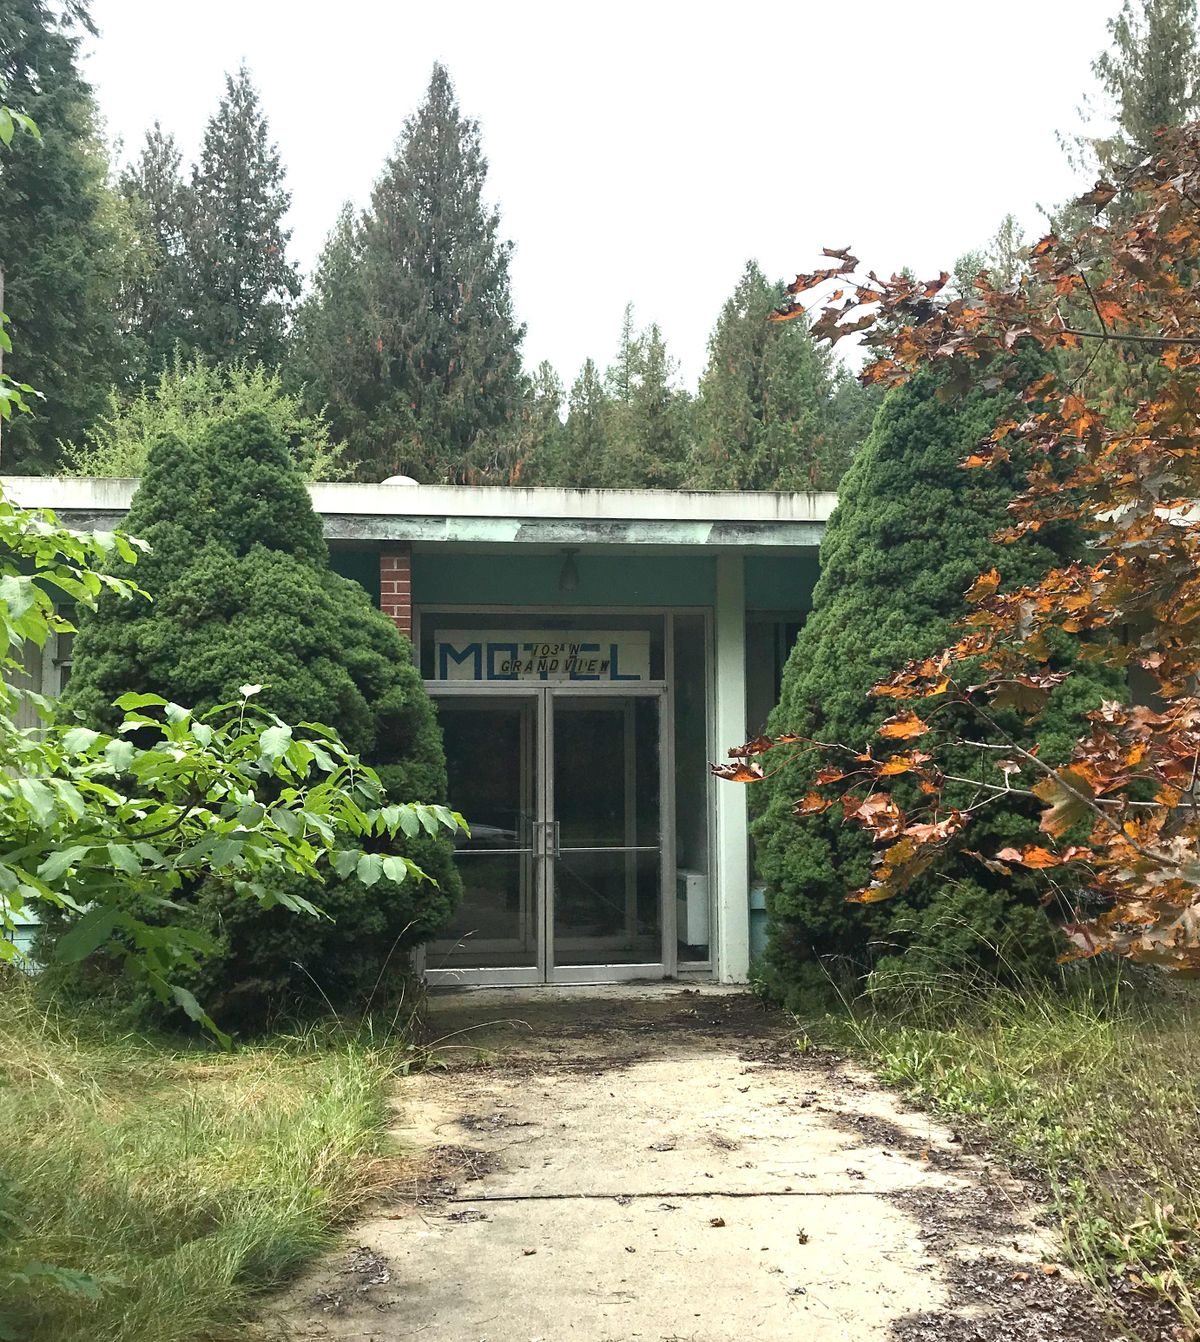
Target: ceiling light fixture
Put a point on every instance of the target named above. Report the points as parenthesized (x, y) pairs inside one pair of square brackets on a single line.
[(568, 577)]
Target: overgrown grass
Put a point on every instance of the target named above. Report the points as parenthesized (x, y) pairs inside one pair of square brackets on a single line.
[(178, 1178), (1095, 1085)]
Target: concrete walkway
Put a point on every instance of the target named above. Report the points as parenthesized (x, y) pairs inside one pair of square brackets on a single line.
[(610, 1164)]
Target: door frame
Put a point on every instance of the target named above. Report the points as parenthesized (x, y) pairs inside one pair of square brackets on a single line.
[(545, 971)]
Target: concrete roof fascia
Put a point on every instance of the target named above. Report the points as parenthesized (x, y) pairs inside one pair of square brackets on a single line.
[(477, 515)]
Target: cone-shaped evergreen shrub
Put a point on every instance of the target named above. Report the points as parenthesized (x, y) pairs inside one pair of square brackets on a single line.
[(911, 531), (243, 593)]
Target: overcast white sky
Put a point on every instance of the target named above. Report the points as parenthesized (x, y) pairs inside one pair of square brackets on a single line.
[(644, 151)]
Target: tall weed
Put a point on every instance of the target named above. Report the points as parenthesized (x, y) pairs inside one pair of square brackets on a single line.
[(176, 1178)]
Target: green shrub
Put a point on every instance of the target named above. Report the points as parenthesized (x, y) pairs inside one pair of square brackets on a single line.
[(189, 397), (911, 531), (242, 592)]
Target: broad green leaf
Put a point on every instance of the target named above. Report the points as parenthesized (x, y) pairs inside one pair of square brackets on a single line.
[(39, 798), (124, 859), (87, 935), (370, 868), (223, 852), (66, 1279), (395, 869), (17, 593), (58, 863), (120, 755), (192, 1009), (132, 700), (344, 862), (69, 798), (274, 742), (79, 739)]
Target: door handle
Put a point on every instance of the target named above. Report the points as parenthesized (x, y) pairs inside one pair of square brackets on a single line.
[(548, 838)]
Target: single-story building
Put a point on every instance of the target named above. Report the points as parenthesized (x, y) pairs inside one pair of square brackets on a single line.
[(590, 651)]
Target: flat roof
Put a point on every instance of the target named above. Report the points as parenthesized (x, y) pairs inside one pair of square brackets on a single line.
[(490, 515)]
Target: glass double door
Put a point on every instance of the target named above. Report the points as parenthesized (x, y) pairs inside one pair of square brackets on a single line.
[(563, 872)]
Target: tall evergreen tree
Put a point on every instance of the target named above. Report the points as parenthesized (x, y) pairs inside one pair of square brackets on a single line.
[(648, 429), (154, 305), (623, 371), (240, 283), (852, 411), (584, 461), (910, 533), (1150, 78), (536, 449), (60, 242), (761, 417), (429, 352), (328, 344)]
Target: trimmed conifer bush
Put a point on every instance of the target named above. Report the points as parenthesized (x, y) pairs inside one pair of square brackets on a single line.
[(242, 593), (911, 531)]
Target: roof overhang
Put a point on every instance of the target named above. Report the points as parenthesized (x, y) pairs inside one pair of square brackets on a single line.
[(486, 516)]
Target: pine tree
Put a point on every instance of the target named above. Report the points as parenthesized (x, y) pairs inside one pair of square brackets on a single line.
[(622, 374), (1150, 77), (537, 444), (910, 533), (240, 283), (430, 357), (329, 347), (1004, 258), (154, 305), (762, 411), (584, 462), (60, 239), (852, 411), (649, 435), (242, 592)]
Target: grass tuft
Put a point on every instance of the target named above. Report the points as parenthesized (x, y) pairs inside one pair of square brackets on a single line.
[(178, 1178)]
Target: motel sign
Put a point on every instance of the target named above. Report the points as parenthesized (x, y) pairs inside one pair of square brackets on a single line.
[(617, 656)]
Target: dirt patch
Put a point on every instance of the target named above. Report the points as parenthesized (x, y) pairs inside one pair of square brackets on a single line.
[(364, 1269), (490, 1122), (439, 1173), (995, 1296), (596, 1032), (1049, 1305), (995, 1300)]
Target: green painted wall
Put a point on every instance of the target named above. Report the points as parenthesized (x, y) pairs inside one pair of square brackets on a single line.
[(532, 580), (781, 582), (360, 563), (773, 582)]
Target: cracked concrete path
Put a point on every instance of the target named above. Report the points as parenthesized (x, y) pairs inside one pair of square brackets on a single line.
[(664, 1164)]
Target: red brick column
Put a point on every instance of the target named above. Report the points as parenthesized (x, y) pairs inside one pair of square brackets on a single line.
[(395, 585)]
